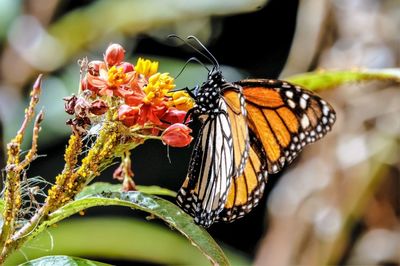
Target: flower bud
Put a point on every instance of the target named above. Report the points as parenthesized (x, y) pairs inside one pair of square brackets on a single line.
[(115, 53), (177, 135), (127, 67), (98, 107)]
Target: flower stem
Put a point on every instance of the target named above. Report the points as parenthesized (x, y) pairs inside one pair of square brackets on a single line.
[(14, 168)]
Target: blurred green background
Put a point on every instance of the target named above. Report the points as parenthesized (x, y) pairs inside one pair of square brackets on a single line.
[(338, 203)]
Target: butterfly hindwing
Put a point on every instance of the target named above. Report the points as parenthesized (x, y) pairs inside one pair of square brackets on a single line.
[(247, 189), (217, 157)]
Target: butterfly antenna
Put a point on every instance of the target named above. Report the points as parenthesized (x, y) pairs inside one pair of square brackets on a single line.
[(188, 61), (195, 48), (215, 62)]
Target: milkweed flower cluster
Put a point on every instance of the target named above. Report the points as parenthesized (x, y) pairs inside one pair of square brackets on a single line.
[(136, 95), (136, 99)]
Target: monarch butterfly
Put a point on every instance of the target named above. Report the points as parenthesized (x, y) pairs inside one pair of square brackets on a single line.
[(250, 128)]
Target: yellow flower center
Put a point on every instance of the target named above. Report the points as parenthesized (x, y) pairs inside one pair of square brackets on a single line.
[(116, 76), (146, 67), (181, 100), (159, 85)]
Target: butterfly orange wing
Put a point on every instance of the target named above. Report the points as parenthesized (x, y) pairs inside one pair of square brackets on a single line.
[(284, 118)]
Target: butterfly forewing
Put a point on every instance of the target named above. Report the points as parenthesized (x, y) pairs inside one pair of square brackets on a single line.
[(285, 118), (210, 171)]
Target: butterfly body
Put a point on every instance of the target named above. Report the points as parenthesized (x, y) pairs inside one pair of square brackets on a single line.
[(209, 94)]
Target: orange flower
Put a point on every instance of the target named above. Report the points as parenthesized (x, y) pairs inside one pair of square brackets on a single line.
[(177, 135), (128, 115), (151, 101), (173, 116), (112, 82), (141, 114)]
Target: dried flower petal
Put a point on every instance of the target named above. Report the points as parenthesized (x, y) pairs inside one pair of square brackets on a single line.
[(94, 67), (69, 105), (119, 173), (81, 107), (79, 124), (98, 107)]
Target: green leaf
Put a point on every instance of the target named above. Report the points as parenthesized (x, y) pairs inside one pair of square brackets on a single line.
[(101, 187), (154, 205), (156, 190), (62, 260), (322, 80), (117, 238)]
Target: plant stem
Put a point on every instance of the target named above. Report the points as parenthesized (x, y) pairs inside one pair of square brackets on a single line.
[(12, 194)]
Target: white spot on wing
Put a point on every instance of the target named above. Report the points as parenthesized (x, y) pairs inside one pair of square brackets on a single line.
[(325, 110), (303, 103), (305, 122), (289, 94), (291, 103)]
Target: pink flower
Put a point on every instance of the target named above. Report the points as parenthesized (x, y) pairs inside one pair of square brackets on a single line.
[(115, 53), (177, 135)]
